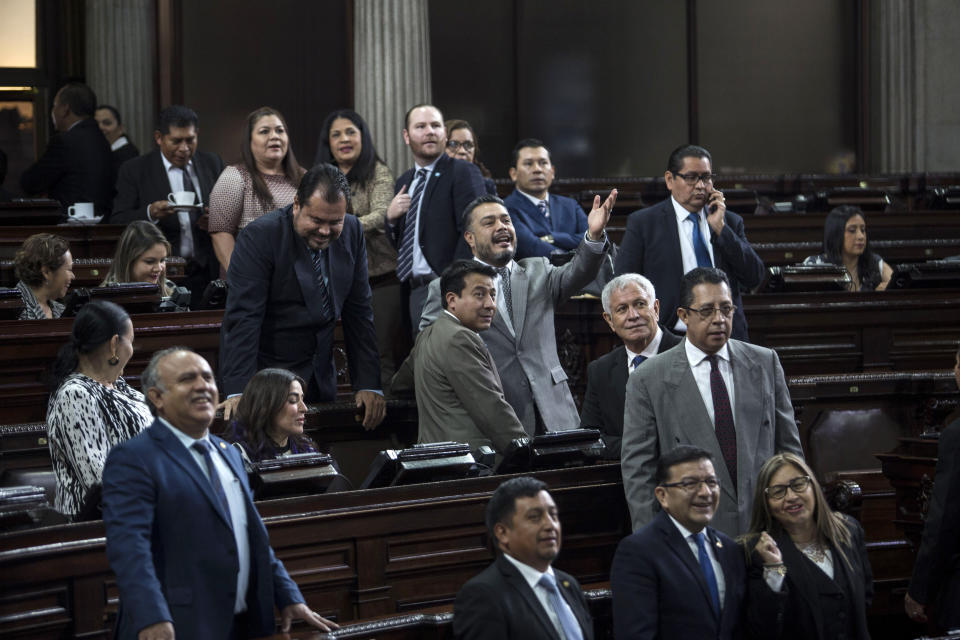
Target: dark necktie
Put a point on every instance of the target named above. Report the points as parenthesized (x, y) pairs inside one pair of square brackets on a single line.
[(507, 292), (723, 420), (637, 360), (544, 211), (405, 255), (699, 246), (204, 447), (707, 568), (571, 628), (325, 306)]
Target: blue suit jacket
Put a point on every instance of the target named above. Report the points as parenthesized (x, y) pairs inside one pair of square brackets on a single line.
[(172, 546), (651, 247), (272, 318), (454, 184), (659, 590), (567, 224)]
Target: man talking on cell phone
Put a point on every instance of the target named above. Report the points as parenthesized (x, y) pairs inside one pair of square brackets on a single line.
[(692, 228)]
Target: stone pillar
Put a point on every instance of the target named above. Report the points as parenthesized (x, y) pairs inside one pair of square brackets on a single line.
[(391, 70), (119, 59)]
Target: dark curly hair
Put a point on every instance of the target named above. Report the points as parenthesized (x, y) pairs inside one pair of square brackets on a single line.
[(38, 251)]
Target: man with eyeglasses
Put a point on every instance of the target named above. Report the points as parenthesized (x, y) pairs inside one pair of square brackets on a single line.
[(692, 228), (677, 577), (725, 396), (546, 223)]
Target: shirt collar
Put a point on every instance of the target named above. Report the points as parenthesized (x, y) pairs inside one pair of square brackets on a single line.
[(531, 575), (167, 164), (119, 142), (428, 167), (509, 265), (535, 200), (187, 440), (695, 356), (682, 214), (650, 350), (686, 533)]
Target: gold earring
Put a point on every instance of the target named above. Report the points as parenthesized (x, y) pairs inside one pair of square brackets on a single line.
[(114, 361)]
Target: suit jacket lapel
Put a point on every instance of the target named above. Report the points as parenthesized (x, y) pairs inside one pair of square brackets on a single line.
[(170, 445), (566, 590), (800, 573), (728, 571), (747, 407), (439, 169), (674, 259), (679, 546), (617, 374), (519, 283), (303, 267), (519, 584)]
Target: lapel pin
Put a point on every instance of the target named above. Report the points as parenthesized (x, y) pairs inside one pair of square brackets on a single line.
[(566, 583), (223, 445), (719, 545), (436, 174)]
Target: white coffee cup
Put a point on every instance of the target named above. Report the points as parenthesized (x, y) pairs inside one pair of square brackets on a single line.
[(181, 197), (81, 211)]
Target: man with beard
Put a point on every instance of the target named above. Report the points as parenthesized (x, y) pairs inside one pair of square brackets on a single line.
[(459, 393), (425, 218), (692, 228), (522, 339)]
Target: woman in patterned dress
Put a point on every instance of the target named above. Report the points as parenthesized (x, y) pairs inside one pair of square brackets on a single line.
[(44, 268), (266, 179), (93, 408)]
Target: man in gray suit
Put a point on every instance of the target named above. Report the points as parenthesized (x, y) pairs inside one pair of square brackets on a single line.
[(459, 394), (725, 396), (522, 339)]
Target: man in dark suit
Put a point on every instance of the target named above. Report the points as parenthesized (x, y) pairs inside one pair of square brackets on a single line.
[(631, 308), (459, 393), (935, 586), (189, 549), (692, 228), (677, 577), (521, 596), (294, 272), (144, 183), (77, 166), (545, 223), (722, 395), (425, 218), (522, 339)]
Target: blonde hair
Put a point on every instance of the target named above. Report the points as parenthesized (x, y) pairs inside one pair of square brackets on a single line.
[(139, 237)]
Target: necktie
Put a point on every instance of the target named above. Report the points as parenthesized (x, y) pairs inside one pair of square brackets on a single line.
[(571, 628), (505, 286), (699, 246), (707, 567), (204, 447), (723, 419), (322, 285), (186, 231), (637, 360), (405, 255), (544, 211)]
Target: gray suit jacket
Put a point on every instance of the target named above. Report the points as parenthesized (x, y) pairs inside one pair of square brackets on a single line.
[(526, 355), (664, 409), (459, 394)]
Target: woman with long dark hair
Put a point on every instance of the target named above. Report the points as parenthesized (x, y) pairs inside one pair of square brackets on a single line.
[(845, 243), (266, 179), (270, 416), (92, 408)]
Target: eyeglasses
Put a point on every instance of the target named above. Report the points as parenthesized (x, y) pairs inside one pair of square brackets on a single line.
[(692, 485), (693, 178), (454, 145), (707, 313), (778, 491)]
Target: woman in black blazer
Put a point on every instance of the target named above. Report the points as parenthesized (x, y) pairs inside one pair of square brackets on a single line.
[(827, 583)]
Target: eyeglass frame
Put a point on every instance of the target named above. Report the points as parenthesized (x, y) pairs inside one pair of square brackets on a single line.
[(691, 485), (713, 311), (806, 480), (468, 145), (706, 178)]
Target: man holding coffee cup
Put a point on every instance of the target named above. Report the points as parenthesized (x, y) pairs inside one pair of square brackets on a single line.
[(171, 186)]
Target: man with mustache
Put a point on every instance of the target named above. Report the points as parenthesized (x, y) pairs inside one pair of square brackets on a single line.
[(191, 554), (459, 394), (293, 273), (692, 228), (725, 396), (521, 596), (522, 339), (425, 218)]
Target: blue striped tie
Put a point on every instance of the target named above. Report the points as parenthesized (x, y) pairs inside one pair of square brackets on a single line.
[(405, 256), (322, 285), (544, 211), (699, 246)]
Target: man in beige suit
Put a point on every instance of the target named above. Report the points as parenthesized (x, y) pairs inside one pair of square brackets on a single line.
[(458, 390)]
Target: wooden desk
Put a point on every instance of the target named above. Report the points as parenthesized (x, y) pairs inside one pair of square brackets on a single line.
[(86, 240), (90, 272), (34, 212)]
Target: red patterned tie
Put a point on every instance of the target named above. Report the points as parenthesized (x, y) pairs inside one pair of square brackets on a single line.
[(723, 420)]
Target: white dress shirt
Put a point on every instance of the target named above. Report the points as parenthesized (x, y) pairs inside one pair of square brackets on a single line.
[(691, 540), (532, 577), (420, 265), (175, 177), (700, 366), (685, 235), (236, 501), (648, 352)]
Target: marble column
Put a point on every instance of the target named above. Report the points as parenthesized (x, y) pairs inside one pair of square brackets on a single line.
[(119, 61), (391, 70)]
